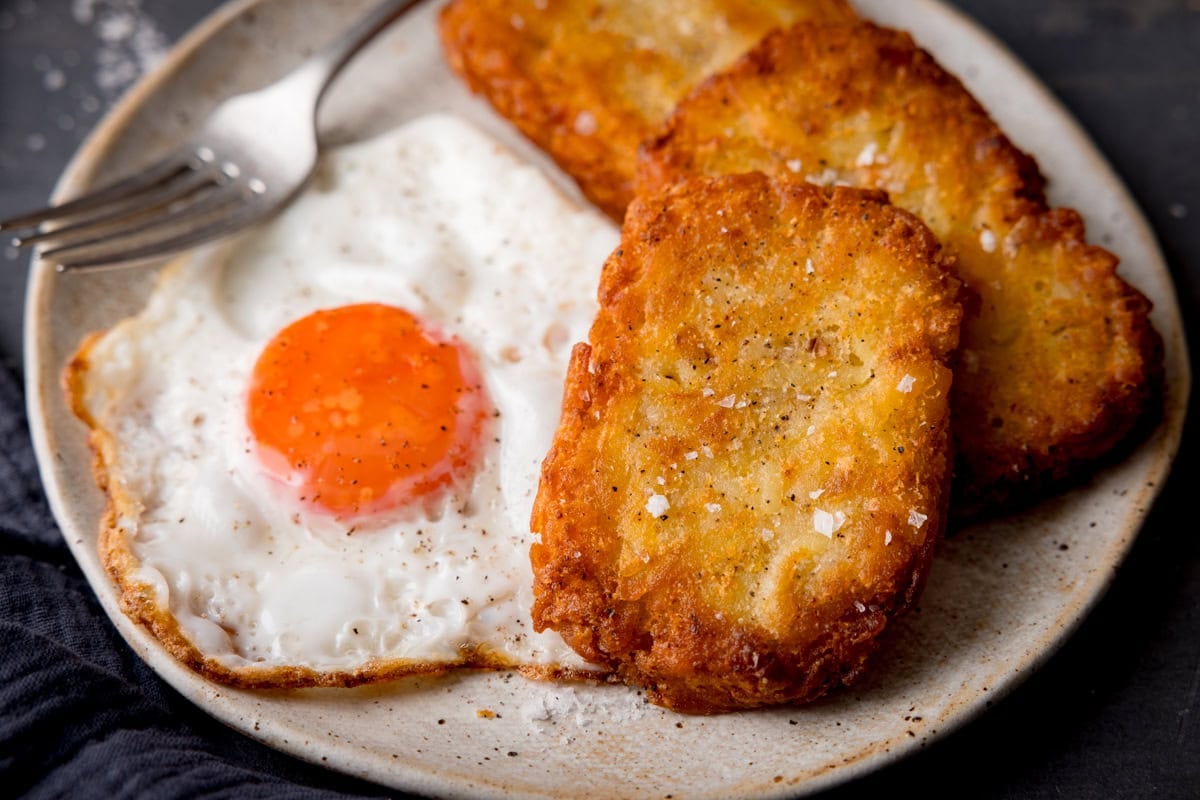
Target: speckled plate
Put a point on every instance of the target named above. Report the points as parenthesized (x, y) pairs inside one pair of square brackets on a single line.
[(1001, 597)]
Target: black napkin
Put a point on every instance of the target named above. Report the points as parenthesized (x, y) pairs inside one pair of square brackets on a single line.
[(80, 715)]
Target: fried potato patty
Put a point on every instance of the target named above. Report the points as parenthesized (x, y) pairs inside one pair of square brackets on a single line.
[(1058, 357), (752, 464), (588, 80)]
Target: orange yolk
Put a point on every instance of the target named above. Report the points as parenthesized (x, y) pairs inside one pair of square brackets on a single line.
[(360, 409)]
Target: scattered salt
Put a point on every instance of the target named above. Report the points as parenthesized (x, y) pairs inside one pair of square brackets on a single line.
[(826, 178), (84, 11), (867, 157), (987, 240), (727, 402), (809, 269), (658, 505), (692, 456), (828, 524), (580, 708), (116, 27), (130, 43), (54, 80), (906, 384), (916, 518), (712, 508), (585, 123)]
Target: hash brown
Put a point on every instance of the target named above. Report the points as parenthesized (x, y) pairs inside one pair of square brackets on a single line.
[(588, 80), (752, 466), (1058, 359)]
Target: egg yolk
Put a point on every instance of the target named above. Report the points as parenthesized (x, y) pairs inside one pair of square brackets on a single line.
[(362, 409)]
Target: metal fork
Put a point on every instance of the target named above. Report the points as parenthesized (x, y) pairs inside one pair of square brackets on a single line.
[(251, 156)]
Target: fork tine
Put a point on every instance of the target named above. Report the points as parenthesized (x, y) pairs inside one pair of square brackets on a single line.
[(114, 257), (139, 205), (159, 172), (174, 219)]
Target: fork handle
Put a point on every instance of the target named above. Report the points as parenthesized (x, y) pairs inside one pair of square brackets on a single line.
[(319, 69)]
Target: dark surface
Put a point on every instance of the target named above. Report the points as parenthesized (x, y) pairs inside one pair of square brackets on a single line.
[(1116, 713)]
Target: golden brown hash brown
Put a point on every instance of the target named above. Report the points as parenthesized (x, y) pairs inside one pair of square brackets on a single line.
[(752, 465), (588, 80), (1058, 357)]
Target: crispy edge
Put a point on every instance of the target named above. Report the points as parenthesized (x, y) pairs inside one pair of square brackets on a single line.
[(576, 594), (486, 50), (989, 480), (663, 159), (1128, 405), (483, 52), (138, 602)]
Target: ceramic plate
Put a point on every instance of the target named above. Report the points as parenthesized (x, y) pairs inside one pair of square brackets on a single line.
[(1000, 599)]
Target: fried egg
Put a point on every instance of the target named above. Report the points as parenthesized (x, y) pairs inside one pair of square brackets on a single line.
[(321, 441)]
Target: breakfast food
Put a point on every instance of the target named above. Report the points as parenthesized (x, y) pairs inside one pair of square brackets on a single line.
[(589, 81), (753, 461), (1058, 357), (320, 443)]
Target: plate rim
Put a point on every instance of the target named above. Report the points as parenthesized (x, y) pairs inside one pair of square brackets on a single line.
[(41, 378)]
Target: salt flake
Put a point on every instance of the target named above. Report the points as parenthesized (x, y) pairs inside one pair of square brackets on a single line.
[(658, 505), (987, 240), (828, 524), (867, 157), (585, 123)]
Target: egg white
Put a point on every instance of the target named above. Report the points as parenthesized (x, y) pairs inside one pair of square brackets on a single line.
[(433, 217)]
